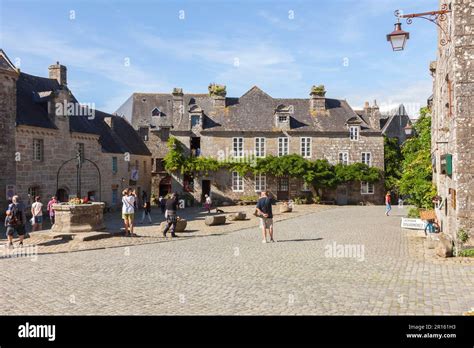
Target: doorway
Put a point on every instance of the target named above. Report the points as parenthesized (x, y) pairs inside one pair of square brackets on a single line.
[(283, 193), (206, 189), (341, 195), (195, 146), (165, 186)]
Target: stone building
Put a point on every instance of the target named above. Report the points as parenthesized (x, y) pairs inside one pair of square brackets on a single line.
[(392, 122), (452, 120), (221, 127), (43, 126)]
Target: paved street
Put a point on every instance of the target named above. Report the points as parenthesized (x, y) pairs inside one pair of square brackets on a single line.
[(235, 273)]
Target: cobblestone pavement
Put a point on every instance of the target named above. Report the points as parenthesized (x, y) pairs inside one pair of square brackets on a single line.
[(305, 272), (150, 233)]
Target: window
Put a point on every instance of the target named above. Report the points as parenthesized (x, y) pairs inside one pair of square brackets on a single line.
[(282, 146), (260, 182), (344, 157), (238, 147), (306, 147), (156, 112), (237, 182), (37, 149), (114, 165), (366, 188), (144, 167), (143, 131), (367, 158), (260, 147), (114, 196), (80, 149), (195, 120), (354, 132), (33, 191), (282, 118)]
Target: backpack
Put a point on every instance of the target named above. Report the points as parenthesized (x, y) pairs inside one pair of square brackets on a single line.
[(16, 215)]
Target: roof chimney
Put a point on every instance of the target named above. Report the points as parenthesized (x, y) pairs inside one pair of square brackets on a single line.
[(218, 93), (58, 72), (317, 99)]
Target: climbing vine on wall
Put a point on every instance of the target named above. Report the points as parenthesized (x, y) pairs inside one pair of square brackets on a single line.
[(319, 173)]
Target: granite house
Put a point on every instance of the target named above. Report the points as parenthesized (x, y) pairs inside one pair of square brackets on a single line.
[(39, 136), (212, 124)]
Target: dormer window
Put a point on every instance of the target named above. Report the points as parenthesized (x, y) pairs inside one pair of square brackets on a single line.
[(282, 116), (354, 133), (156, 112), (195, 120)]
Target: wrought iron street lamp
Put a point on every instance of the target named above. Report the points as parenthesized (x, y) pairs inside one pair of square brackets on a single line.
[(408, 129), (398, 37)]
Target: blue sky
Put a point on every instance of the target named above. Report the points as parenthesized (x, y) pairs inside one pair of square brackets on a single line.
[(115, 48)]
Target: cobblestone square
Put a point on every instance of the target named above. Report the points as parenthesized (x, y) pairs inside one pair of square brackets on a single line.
[(349, 260)]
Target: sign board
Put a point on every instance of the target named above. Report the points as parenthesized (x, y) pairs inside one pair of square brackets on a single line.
[(413, 224), (10, 192)]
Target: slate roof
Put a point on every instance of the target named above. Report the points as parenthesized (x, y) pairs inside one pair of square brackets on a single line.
[(253, 111), (33, 94), (394, 121), (5, 63)]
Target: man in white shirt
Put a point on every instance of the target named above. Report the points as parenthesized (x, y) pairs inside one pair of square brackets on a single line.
[(128, 211), (37, 212)]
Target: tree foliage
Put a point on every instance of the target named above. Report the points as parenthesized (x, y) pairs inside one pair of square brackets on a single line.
[(393, 163), (416, 179)]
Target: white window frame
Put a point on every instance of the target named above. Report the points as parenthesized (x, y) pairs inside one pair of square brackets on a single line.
[(344, 154), (366, 155), (260, 182), (354, 133), (260, 147), (237, 182), (283, 146), (365, 188), (306, 142), (283, 118), (236, 141), (38, 150)]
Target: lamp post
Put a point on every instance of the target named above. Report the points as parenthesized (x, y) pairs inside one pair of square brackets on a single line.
[(408, 130), (398, 37)]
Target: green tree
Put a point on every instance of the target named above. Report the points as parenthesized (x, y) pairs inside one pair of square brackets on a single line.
[(416, 179), (393, 163)]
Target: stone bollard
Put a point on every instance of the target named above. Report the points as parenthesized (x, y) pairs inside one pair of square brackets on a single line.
[(237, 216), (285, 208), (180, 225), (445, 246), (213, 220)]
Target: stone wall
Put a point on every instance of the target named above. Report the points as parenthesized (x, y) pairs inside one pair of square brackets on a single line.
[(452, 123), (59, 146), (7, 128)]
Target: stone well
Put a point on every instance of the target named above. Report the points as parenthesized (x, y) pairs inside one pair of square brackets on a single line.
[(76, 218)]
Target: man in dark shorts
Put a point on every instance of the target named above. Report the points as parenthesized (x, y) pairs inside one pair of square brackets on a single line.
[(15, 221), (264, 209), (171, 215)]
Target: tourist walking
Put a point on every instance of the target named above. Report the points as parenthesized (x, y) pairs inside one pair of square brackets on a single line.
[(388, 201), (15, 221), (171, 215), (146, 210), (128, 211), (50, 209), (37, 213), (208, 203), (264, 210), (162, 202)]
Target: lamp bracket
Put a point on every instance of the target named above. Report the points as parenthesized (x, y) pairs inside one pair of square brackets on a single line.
[(435, 17)]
